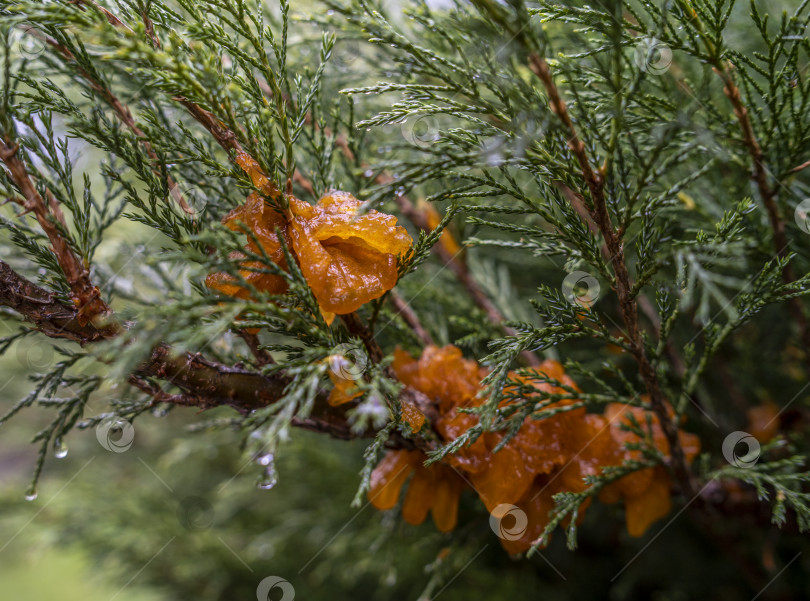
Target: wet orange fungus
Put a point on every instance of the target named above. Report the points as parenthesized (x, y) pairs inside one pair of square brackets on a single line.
[(347, 258), (546, 457)]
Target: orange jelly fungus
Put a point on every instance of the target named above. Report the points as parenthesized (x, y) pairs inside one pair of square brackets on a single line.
[(435, 488), (344, 390), (348, 259), (763, 421), (546, 457), (433, 220)]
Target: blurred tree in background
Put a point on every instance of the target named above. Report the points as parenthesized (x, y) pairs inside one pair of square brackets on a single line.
[(566, 316)]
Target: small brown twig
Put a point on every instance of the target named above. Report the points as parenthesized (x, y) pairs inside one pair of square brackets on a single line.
[(404, 310), (203, 383), (801, 167), (111, 18), (150, 30), (161, 396), (251, 339)]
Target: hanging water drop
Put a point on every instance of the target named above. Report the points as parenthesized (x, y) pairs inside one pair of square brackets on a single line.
[(31, 495), (60, 450), (270, 478), (265, 460)]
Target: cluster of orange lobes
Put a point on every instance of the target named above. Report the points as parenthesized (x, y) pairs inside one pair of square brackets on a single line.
[(346, 258), (546, 457)]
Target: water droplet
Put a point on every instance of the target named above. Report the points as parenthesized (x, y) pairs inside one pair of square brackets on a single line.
[(31, 495), (368, 173), (266, 459), (60, 450), (270, 478)]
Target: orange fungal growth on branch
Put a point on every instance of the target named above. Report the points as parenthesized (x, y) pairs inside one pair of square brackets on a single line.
[(435, 488), (547, 456), (763, 421), (347, 257), (433, 220), (251, 166)]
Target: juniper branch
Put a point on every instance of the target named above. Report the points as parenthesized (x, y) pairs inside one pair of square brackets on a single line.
[(120, 109), (204, 384), (768, 195), (49, 215), (599, 213), (723, 68), (409, 210)]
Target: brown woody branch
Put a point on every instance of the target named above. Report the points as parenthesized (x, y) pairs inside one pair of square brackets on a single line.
[(798, 168), (462, 273), (203, 383), (111, 18), (86, 296), (615, 245)]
